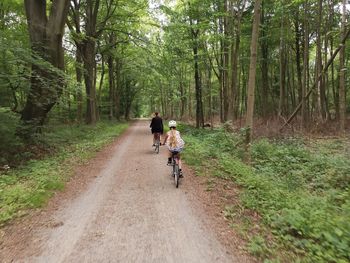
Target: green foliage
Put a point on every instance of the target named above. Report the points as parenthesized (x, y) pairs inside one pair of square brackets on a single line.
[(32, 184), (301, 192), (257, 246), (9, 142)]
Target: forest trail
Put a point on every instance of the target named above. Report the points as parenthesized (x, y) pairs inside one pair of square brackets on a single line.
[(131, 212)]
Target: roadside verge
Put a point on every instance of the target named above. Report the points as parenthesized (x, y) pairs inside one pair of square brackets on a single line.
[(32, 185)]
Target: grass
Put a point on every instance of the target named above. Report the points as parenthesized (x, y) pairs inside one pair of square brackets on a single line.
[(299, 188), (32, 184)]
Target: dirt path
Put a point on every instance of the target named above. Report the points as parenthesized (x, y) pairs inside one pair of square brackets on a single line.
[(131, 212)]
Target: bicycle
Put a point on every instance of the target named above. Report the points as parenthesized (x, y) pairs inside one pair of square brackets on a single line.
[(157, 142), (176, 169)]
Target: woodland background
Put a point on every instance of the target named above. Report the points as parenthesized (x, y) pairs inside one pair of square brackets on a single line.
[(73, 72)]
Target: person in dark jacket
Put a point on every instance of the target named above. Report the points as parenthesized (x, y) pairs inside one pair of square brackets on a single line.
[(156, 126)]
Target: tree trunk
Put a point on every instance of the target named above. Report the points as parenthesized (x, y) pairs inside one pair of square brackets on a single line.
[(102, 77), (218, 75), (243, 97), (226, 93), (210, 103), (74, 18), (282, 101), (221, 74), (264, 69), (199, 104), (182, 93), (118, 66), (79, 76), (304, 113), (251, 80), (298, 55), (321, 99), (111, 83), (234, 62), (334, 90), (89, 49), (326, 80), (342, 69), (89, 77), (330, 61), (189, 101), (198, 85), (222, 86), (46, 35)]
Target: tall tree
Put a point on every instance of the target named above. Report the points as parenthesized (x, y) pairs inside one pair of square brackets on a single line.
[(298, 54), (46, 33), (264, 43), (94, 24), (252, 75), (89, 51), (320, 102), (237, 13), (342, 93), (305, 68), (194, 18), (282, 66), (111, 72), (225, 59)]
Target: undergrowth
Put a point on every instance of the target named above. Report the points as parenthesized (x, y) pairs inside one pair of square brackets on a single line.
[(9, 142), (30, 185), (299, 188)]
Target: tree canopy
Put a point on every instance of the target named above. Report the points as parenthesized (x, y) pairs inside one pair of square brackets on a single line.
[(187, 59)]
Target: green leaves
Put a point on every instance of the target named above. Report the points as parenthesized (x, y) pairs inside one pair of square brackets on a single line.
[(301, 192), (9, 142), (257, 246)]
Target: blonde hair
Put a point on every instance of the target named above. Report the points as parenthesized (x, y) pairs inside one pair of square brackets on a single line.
[(173, 142)]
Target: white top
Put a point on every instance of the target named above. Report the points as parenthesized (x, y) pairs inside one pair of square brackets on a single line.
[(174, 140)]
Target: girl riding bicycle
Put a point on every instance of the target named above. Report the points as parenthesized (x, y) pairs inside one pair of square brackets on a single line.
[(174, 142)]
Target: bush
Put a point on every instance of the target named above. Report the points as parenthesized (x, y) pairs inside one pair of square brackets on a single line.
[(9, 142)]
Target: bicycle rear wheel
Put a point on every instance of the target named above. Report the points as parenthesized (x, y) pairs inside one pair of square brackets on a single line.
[(176, 175), (158, 144), (156, 149)]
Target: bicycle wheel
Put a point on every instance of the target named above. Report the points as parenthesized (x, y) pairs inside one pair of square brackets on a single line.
[(176, 175), (157, 146), (173, 166)]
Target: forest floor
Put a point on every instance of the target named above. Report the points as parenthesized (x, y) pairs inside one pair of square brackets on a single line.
[(122, 206)]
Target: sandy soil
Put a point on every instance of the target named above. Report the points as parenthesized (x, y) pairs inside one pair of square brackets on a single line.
[(123, 207)]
